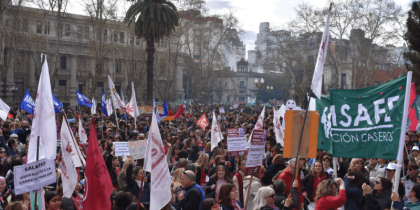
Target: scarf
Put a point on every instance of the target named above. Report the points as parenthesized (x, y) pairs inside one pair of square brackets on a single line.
[(235, 205), (138, 182)]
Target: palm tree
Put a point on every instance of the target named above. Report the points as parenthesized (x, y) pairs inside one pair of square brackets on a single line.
[(153, 20)]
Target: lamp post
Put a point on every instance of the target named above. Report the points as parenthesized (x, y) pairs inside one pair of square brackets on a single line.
[(259, 85), (269, 90)]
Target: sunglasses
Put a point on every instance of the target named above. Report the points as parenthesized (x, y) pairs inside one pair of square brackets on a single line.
[(377, 182), (187, 175), (410, 169), (270, 196), (2, 152)]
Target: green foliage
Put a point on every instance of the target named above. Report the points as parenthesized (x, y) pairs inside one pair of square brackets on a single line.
[(153, 18), (413, 38)]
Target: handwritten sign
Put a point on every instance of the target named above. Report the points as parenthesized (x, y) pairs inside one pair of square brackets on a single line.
[(256, 152), (137, 149), (236, 141), (121, 149), (33, 176)]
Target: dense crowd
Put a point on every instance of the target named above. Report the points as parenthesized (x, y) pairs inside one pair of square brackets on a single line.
[(210, 179)]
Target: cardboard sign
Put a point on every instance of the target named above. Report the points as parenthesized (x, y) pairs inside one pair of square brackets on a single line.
[(137, 149), (256, 152), (34, 176), (236, 141), (121, 149), (221, 110)]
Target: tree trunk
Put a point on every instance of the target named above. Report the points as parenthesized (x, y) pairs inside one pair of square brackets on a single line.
[(150, 42)]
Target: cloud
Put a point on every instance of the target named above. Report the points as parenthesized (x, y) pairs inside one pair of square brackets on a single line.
[(218, 5)]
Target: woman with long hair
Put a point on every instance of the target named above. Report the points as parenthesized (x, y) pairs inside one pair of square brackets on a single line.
[(122, 185), (326, 161), (134, 178), (325, 198), (52, 200), (353, 183), (238, 178), (210, 204), (264, 199), (228, 197), (254, 184), (216, 152), (267, 149), (358, 165), (278, 164), (216, 181), (202, 167), (378, 199), (219, 160), (311, 181)]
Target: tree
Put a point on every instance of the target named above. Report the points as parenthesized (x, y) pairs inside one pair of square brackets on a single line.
[(413, 38), (153, 19)]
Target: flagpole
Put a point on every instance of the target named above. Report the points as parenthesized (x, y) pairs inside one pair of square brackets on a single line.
[(116, 118)]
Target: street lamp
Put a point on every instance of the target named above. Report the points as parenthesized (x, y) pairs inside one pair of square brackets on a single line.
[(269, 90), (14, 89), (259, 85)]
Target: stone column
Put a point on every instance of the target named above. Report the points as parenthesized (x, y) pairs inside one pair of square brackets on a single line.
[(31, 72), (10, 81), (178, 74), (73, 81)]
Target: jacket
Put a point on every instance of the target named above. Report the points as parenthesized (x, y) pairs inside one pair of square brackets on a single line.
[(111, 170), (378, 202), (354, 196), (287, 178), (271, 172), (211, 193), (122, 185), (192, 200), (411, 206), (255, 185), (223, 207), (280, 199), (308, 183), (134, 188), (331, 202), (374, 174)]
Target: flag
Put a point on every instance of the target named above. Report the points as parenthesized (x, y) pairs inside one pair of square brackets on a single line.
[(76, 155), (316, 85), (235, 104), (82, 133), (251, 100), (98, 185), (43, 121), (83, 100), (278, 128), (116, 100), (68, 168), (416, 106), (155, 163), (57, 104), (164, 113), (131, 107), (180, 111), (365, 123), (260, 121), (215, 133), (180, 101), (203, 122), (109, 107), (4, 110), (412, 112), (122, 96), (27, 103), (103, 103), (93, 108)]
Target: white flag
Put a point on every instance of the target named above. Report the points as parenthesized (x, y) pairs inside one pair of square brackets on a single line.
[(4, 110), (68, 167), (155, 163), (258, 125), (109, 107), (215, 133), (93, 109), (44, 120), (82, 133), (277, 128), (132, 105), (76, 155), (322, 54), (116, 100)]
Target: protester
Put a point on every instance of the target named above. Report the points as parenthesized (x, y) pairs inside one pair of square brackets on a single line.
[(353, 183), (410, 179), (287, 176), (193, 197), (52, 201), (374, 171), (252, 186), (278, 164), (414, 195), (311, 181), (238, 178), (264, 199), (378, 199), (216, 181), (280, 199), (228, 197), (326, 195), (210, 204)]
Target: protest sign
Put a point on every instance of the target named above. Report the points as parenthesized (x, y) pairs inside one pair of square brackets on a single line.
[(221, 110), (236, 141), (137, 149), (235, 104), (33, 176), (256, 152), (121, 149)]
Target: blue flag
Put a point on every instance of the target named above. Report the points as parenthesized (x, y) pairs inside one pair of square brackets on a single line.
[(103, 103), (57, 104), (164, 113), (83, 100), (27, 103)]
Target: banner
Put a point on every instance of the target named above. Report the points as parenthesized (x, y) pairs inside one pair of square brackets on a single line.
[(148, 110), (256, 152), (221, 110), (4, 110), (365, 123), (27, 103), (34, 176), (121, 149), (137, 149), (103, 103), (235, 104), (236, 141), (215, 133), (251, 100)]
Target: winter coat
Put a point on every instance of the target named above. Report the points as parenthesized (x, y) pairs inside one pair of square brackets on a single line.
[(378, 202), (331, 202), (308, 185), (280, 199), (411, 206), (354, 196), (271, 172), (287, 178), (255, 185)]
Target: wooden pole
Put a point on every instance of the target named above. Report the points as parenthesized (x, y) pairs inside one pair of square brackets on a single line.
[(247, 194), (141, 188)]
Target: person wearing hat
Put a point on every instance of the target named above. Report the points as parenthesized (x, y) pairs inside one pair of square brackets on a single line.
[(415, 152), (410, 178), (390, 171)]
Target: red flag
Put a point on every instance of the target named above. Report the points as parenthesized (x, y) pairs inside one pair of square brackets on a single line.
[(203, 122), (10, 116), (412, 113), (180, 111), (98, 185)]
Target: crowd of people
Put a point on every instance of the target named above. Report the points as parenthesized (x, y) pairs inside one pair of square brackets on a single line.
[(210, 179)]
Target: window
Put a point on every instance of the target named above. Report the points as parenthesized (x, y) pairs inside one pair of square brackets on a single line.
[(220, 98), (63, 62), (67, 30), (118, 87), (115, 36), (121, 37), (38, 26), (47, 28), (131, 38), (242, 84), (79, 32), (20, 88), (343, 81), (137, 41), (105, 35), (62, 90), (81, 87), (86, 32), (117, 66)]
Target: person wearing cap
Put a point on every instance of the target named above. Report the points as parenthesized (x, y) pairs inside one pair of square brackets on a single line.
[(374, 171), (409, 180), (390, 171), (179, 133), (415, 152)]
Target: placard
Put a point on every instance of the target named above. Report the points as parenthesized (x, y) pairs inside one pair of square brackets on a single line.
[(235, 105), (256, 152), (221, 110), (34, 176), (121, 149), (137, 149), (236, 141)]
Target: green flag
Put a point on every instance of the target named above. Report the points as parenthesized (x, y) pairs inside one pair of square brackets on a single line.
[(179, 101), (365, 123), (324, 127)]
